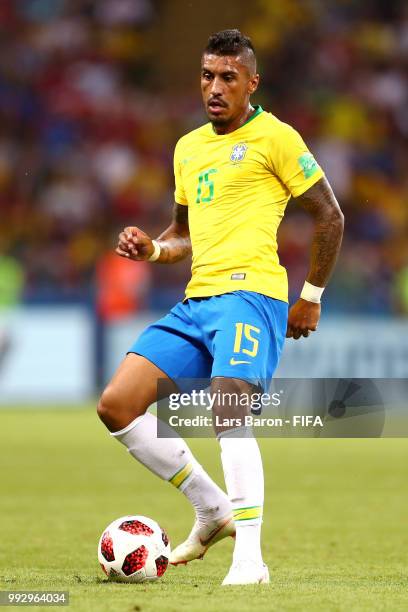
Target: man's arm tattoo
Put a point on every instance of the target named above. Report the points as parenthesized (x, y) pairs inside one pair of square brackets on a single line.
[(319, 201), (175, 241)]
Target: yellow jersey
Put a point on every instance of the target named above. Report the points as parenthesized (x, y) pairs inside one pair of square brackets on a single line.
[(236, 187)]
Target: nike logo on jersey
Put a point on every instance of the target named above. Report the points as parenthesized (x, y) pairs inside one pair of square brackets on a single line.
[(188, 159), (237, 361)]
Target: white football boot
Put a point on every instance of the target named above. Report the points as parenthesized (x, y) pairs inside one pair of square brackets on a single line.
[(247, 572), (201, 538)]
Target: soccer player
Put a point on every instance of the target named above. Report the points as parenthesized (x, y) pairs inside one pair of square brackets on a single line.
[(233, 177)]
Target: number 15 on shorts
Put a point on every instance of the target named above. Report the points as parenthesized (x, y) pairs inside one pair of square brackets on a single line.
[(245, 334)]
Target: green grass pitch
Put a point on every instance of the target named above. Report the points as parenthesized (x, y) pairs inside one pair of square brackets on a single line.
[(335, 524)]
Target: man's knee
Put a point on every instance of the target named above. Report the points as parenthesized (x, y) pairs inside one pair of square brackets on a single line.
[(108, 405), (116, 410), (232, 405)]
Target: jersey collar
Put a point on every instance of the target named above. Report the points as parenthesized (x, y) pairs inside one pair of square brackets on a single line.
[(258, 110)]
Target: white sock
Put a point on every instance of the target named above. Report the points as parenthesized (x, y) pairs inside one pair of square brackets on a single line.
[(243, 473), (171, 459)]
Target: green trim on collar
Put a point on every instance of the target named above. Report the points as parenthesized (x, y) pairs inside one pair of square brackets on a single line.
[(258, 110)]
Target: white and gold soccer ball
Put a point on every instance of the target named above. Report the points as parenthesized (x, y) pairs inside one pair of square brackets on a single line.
[(134, 549)]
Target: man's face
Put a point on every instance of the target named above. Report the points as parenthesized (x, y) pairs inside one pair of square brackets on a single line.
[(226, 85)]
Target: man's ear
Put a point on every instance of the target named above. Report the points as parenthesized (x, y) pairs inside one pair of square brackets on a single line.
[(253, 84)]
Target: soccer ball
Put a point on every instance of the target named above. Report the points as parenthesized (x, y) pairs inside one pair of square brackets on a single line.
[(134, 549)]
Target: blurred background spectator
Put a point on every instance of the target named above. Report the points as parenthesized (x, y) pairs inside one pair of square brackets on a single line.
[(95, 94)]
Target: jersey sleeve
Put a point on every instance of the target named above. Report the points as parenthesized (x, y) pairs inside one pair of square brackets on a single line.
[(292, 162), (179, 192)]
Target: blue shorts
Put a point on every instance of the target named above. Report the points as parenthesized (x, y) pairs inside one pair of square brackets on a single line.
[(236, 335)]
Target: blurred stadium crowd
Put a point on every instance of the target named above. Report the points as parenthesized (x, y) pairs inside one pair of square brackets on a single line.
[(87, 131)]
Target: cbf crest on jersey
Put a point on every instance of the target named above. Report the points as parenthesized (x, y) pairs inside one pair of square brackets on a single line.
[(238, 152)]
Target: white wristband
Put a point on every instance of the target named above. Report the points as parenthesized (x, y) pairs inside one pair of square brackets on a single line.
[(156, 253), (311, 293)]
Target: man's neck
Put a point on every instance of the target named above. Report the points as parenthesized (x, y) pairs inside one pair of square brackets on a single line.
[(235, 123)]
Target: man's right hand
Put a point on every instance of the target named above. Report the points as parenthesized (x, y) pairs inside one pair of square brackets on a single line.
[(134, 244)]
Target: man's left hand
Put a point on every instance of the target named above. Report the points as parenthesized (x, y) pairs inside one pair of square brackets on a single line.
[(303, 318)]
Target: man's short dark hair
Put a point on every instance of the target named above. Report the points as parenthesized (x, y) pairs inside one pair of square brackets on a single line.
[(229, 42)]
